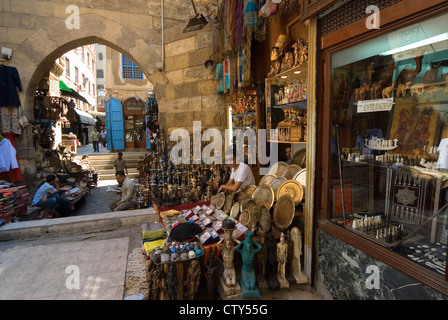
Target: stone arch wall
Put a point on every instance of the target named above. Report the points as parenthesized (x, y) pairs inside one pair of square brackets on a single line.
[(36, 31)]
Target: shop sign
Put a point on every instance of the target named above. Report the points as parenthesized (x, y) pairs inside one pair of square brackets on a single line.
[(375, 105)]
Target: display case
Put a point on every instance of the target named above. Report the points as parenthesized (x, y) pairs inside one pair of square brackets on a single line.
[(286, 105), (389, 141), (244, 113)]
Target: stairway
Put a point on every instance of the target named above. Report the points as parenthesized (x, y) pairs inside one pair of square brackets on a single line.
[(104, 163)]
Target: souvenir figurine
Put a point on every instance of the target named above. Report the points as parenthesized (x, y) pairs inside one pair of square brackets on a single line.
[(296, 268), (248, 278), (282, 258), (215, 269)]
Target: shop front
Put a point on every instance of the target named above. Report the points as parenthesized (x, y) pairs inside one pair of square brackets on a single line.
[(126, 124), (382, 110)]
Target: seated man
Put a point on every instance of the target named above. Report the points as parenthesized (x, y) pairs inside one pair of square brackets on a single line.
[(240, 176), (64, 209), (128, 193), (47, 197)]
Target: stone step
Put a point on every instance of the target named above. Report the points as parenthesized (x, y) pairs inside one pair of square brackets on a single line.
[(112, 171), (112, 176)]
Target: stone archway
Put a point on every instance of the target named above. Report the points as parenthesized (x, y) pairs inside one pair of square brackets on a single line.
[(37, 54)]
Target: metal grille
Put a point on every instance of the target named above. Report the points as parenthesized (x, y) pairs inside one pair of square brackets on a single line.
[(349, 13)]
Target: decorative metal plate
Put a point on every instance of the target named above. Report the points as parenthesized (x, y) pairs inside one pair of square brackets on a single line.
[(244, 218), (249, 189), (265, 218), (278, 168), (228, 204), (235, 210), (293, 189), (267, 179), (213, 200), (284, 210), (220, 200), (243, 203), (264, 194), (239, 196), (275, 184), (300, 177), (299, 158), (291, 171)]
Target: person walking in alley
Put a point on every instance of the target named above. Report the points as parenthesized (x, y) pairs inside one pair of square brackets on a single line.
[(120, 164), (103, 136), (128, 193), (95, 136)]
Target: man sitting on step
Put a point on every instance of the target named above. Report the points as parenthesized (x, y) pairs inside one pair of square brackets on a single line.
[(128, 193)]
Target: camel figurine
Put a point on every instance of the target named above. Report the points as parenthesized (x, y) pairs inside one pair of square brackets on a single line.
[(360, 93), (430, 76), (402, 89), (418, 89), (408, 75), (375, 90), (387, 92)]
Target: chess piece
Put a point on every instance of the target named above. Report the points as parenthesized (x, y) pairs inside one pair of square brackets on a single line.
[(227, 248), (248, 278), (282, 257), (296, 266)]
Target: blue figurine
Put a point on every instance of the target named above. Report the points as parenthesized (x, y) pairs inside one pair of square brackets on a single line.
[(248, 278)]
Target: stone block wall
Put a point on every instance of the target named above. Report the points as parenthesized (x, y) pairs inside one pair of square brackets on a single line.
[(189, 93)]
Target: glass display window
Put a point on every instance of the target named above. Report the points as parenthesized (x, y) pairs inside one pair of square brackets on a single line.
[(389, 141)]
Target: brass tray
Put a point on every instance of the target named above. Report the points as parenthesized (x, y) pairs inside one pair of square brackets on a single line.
[(243, 203), (284, 210), (299, 158), (245, 218), (220, 200), (267, 179), (249, 189), (276, 183), (239, 196), (293, 189), (228, 203), (265, 218), (235, 210), (300, 177), (291, 171), (213, 200), (265, 194), (278, 168)]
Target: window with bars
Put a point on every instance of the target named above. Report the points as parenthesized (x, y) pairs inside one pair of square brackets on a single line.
[(130, 69)]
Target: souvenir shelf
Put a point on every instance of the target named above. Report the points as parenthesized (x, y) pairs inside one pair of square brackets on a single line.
[(286, 105)]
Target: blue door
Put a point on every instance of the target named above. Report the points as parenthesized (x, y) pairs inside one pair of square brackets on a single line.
[(114, 125)]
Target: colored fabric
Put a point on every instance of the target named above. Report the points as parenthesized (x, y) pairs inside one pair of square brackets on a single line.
[(15, 174), (8, 158), (250, 13), (184, 231), (11, 119), (9, 84), (239, 22), (151, 245), (243, 174), (153, 234)]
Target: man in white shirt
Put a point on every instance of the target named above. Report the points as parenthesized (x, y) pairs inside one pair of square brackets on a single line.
[(240, 176), (128, 194)]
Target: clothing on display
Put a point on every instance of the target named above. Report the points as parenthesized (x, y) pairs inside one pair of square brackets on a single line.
[(14, 172), (9, 84), (8, 158), (443, 154)]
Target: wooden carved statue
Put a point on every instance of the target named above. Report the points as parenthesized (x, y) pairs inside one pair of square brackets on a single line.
[(418, 89), (430, 76), (402, 89), (387, 92), (408, 75), (171, 283), (215, 269), (194, 276), (227, 248)]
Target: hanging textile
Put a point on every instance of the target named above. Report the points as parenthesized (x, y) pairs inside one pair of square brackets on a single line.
[(8, 159), (229, 18), (9, 84), (239, 22), (250, 13)]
